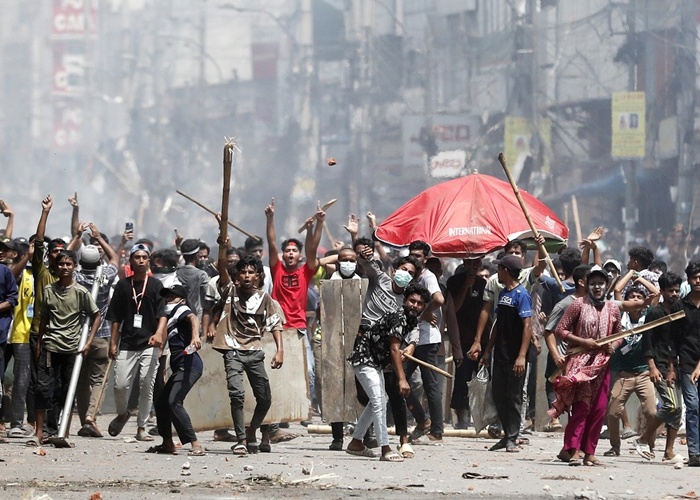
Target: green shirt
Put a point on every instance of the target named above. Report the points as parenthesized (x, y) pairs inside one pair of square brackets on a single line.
[(42, 278), (65, 308)]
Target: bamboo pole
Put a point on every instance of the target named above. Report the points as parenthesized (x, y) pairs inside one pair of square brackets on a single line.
[(234, 226), (463, 433), (534, 230), (428, 365), (225, 192), (634, 331), (577, 219), (324, 208), (98, 403)]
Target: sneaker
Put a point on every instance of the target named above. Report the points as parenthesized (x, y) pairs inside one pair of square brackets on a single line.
[(694, 461)]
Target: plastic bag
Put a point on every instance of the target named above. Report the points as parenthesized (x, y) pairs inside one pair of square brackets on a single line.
[(481, 405)]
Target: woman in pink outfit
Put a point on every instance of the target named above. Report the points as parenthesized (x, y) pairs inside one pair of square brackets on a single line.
[(583, 389)]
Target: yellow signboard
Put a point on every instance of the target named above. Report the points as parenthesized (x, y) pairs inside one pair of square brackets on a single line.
[(628, 125), (518, 134)]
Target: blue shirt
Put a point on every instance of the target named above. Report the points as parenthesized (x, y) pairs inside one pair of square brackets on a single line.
[(552, 287), (8, 293), (513, 306)]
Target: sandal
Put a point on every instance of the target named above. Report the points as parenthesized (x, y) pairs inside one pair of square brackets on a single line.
[(564, 456), (391, 456), (265, 448), (252, 448), (117, 424), (32, 441), (283, 437), (225, 436), (643, 450), (239, 449), (612, 452), (420, 431), (512, 448), (627, 433), (522, 441), (197, 452), (593, 463), (365, 452), (575, 462), (142, 436), (159, 450), (406, 451)]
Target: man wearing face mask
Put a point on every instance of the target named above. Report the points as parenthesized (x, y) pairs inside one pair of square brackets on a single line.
[(427, 350), (347, 265)]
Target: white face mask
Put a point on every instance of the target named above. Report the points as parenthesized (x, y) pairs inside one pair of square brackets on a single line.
[(171, 306), (347, 268)]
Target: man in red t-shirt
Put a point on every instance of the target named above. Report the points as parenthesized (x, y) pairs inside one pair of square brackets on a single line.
[(291, 280)]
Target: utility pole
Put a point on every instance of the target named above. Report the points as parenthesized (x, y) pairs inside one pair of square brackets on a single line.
[(685, 109), (630, 166)]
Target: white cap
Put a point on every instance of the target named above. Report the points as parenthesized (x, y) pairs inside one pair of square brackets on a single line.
[(89, 255)]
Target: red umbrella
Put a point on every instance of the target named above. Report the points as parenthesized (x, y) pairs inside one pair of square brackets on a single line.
[(470, 216)]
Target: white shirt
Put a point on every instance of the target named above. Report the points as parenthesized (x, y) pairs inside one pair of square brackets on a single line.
[(430, 334)]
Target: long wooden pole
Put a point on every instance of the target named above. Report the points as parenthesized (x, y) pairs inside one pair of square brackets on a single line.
[(214, 213), (534, 230), (98, 402), (428, 365), (577, 219), (324, 208), (225, 192), (634, 331)]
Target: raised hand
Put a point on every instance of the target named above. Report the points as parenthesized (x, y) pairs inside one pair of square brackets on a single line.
[(353, 225), (47, 203), (320, 214), (270, 209), (94, 232), (73, 200), (372, 220)]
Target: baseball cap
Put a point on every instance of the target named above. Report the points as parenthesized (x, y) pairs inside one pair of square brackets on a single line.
[(613, 262), (139, 247), (90, 255), (598, 270), (178, 290), (510, 262), (8, 244)]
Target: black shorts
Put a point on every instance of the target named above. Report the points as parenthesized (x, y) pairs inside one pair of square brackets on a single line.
[(54, 370)]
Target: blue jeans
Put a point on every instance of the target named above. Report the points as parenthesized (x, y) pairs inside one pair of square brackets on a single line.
[(692, 414)]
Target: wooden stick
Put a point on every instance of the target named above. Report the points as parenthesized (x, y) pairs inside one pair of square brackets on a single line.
[(98, 403), (449, 360), (633, 331), (328, 233), (324, 208), (566, 214), (214, 213), (534, 230), (611, 286), (577, 219), (223, 224), (463, 433), (428, 365)]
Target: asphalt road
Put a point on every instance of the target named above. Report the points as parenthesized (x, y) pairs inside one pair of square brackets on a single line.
[(119, 469)]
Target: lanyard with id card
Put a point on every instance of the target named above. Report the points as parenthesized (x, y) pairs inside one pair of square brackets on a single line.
[(138, 299)]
